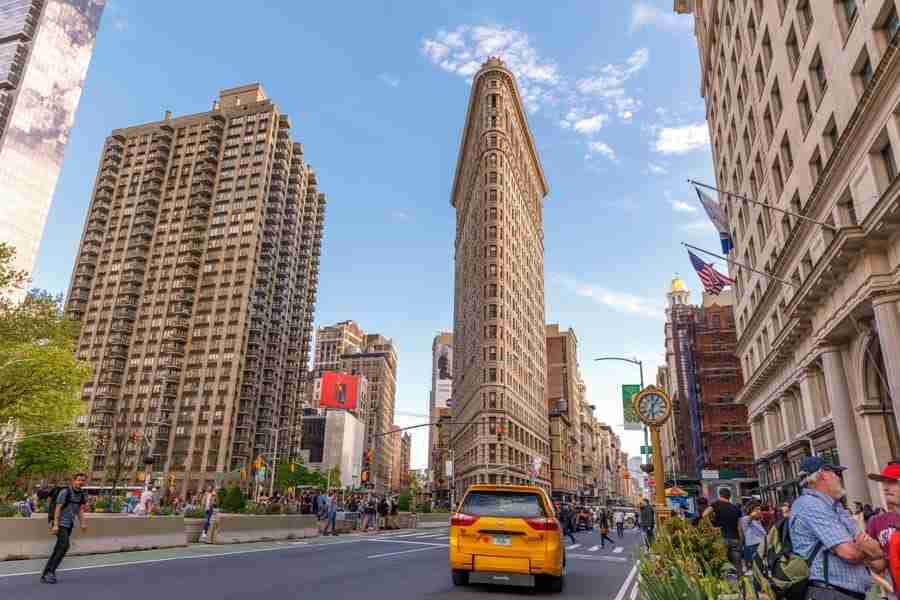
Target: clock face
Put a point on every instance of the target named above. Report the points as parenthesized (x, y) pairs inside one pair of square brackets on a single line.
[(653, 408)]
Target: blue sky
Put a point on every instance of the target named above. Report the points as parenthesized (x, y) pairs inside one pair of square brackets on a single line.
[(377, 93)]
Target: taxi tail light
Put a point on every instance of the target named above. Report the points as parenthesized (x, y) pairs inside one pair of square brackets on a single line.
[(462, 519), (543, 524)]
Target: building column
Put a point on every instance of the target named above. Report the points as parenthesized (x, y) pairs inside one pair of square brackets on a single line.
[(771, 429), (846, 433), (808, 391), (887, 322), (786, 419)]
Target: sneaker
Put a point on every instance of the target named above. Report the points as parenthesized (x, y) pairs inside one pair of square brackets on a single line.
[(202, 537), (48, 578)]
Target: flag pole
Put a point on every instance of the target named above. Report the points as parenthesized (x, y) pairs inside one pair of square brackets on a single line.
[(741, 265), (775, 208)]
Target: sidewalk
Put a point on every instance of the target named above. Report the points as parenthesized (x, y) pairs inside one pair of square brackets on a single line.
[(13, 568)]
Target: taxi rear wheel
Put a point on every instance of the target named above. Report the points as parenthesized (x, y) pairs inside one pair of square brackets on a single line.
[(552, 584), (460, 578)]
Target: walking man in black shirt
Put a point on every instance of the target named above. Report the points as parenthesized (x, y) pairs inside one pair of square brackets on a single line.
[(70, 505), (726, 516)]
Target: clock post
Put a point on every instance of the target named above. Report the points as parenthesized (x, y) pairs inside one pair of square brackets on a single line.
[(654, 408)]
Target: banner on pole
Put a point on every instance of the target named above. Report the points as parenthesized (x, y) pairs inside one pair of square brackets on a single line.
[(632, 422)]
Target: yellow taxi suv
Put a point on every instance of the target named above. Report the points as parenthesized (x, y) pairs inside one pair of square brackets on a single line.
[(507, 535)]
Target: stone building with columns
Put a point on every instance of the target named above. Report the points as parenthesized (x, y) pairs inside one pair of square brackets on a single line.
[(803, 107)]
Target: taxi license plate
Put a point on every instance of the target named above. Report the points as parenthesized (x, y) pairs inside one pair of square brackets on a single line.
[(502, 540)]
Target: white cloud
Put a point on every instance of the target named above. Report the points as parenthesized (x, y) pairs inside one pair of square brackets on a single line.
[(683, 139), (590, 124), (603, 149), (463, 50), (609, 85), (698, 226), (622, 302), (646, 14), (656, 169), (682, 206), (399, 215), (387, 79)]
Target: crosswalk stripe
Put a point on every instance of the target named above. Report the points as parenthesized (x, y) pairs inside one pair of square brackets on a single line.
[(619, 550), (593, 548), (573, 546)]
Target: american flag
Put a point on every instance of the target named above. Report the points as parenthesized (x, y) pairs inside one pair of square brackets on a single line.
[(713, 281)]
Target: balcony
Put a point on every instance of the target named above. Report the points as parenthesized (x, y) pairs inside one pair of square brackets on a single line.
[(81, 283), (122, 326), (200, 202), (133, 286), (147, 207), (136, 267), (141, 245), (125, 313), (172, 348), (202, 190), (151, 187)]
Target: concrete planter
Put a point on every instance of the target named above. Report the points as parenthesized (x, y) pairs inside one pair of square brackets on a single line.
[(427, 520), (401, 521), (192, 529), (234, 529), (31, 538)]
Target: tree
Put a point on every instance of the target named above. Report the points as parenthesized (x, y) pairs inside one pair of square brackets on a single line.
[(40, 377), (53, 456), (403, 501), (285, 477)]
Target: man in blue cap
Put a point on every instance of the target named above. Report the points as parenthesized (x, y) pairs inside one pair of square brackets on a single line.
[(823, 531)]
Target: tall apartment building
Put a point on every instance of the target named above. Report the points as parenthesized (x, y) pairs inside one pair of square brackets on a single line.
[(439, 402), (565, 397), (377, 362), (402, 444), (195, 283), (802, 101), (334, 341), (45, 50), (498, 330)]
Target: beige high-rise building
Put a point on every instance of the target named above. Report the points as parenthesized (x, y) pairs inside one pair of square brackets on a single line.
[(45, 49), (377, 362), (565, 395), (498, 331), (334, 341), (194, 284), (439, 407), (802, 101)]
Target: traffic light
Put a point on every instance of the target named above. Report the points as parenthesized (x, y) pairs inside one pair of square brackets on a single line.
[(171, 479), (292, 467), (364, 477), (243, 474), (368, 456), (259, 462)]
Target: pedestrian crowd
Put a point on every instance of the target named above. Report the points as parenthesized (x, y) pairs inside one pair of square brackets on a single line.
[(573, 519), (847, 553)]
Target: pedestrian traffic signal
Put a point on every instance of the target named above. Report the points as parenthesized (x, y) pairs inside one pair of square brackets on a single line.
[(368, 456), (292, 467), (243, 474), (259, 462), (364, 477)]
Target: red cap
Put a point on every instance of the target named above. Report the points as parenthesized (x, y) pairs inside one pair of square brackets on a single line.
[(890, 473)]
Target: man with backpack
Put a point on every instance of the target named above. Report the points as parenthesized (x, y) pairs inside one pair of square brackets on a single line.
[(383, 511), (67, 507), (826, 536)]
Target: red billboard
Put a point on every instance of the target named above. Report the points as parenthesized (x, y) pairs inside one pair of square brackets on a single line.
[(339, 390)]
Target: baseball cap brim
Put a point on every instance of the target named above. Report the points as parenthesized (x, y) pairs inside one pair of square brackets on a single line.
[(881, 478)]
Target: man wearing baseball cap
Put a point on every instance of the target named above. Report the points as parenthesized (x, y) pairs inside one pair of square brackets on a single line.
[(882, 526), (823, 531)]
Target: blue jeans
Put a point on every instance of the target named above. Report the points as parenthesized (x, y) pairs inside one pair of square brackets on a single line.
[(330, 523), (207, 520)]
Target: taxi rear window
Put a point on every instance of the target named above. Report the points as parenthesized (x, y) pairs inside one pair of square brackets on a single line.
[(503, 504)]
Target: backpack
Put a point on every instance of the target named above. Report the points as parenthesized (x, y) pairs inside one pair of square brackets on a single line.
[(778, 572)]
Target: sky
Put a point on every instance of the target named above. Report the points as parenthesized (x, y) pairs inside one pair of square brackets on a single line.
[(377, 93)]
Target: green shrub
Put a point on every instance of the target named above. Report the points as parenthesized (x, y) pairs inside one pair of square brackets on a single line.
[(425, 507), (404, 500), (195, 513), (232, 500), (7, 511)]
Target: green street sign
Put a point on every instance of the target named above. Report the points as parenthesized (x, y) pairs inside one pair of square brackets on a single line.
[(632, 422), (646, 450)]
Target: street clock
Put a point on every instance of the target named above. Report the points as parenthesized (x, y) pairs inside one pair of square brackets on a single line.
[(653, 406)]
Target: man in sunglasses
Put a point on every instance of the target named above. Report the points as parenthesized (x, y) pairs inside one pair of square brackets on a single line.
[(825, 533)]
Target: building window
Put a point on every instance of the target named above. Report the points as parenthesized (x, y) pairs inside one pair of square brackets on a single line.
[(887, 170), (889, 25), (818, 76), (777, 177), (804, 17), (760, 78), (863, 71), (768, 124), (767, 50), (830, 136), (776, 101), (805, 110), (787, 157), (793, 49), (815, 167)]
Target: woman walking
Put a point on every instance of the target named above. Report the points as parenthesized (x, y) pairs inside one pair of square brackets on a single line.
[(604, 530)]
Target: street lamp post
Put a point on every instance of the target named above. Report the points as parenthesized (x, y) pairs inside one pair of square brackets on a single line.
[(640, 364)]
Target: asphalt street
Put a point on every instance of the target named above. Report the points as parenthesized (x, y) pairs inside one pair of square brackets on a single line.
[(393, 565)]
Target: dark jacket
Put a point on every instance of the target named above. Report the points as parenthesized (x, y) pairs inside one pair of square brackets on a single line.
[(648, 517)]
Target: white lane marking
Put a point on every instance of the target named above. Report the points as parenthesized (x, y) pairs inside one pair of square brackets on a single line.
[(593, 548), (159, 560), (430, 547), (616, 559), (409, 542), (573, 546), (628, 581), (433, 535), (619, 550)]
